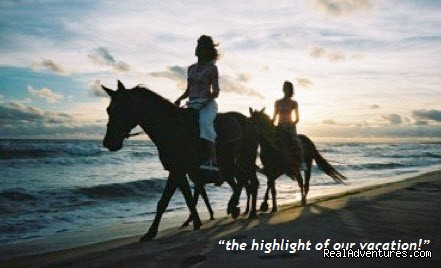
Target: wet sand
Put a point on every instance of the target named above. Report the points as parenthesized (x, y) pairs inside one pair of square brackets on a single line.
[(405, 210)]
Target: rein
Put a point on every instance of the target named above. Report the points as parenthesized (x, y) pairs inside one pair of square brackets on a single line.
[(203, 104), (133, 135)]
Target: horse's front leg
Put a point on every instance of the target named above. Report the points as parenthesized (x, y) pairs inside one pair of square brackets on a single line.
[(296, 175), (237, 189), (233, 208), (307, 179), (207, 202), (254, 188), (299, 178), (247, 191), (186, 192), (264, 205), (273, 194), (195, 198), (168, 192)]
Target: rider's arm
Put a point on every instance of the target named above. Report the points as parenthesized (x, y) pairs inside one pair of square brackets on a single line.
[(296, 109), (215, 82), (183, 96), (276, 112)]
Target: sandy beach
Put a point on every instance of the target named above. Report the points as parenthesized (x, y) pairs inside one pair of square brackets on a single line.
[(406, 210)]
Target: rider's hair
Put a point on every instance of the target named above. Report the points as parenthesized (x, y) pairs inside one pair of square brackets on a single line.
[(207, 42), (288, 88)]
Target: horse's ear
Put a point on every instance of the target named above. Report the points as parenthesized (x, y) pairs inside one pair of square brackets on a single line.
[(108, 90), (121, 86), (251, 111), (263, 110)]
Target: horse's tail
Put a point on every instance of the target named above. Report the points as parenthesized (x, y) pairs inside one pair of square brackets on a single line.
[(321, 162)]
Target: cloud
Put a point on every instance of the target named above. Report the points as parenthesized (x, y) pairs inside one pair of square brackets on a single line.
[(19, 113), (227, 83), (329, 122), (393, 119), (364, 123), (421, 123), (243, 77), (374, 106), (434, 115), (121, 66), (336, 56), (319, 52), (303, 82), (101, 56), (95, 89), (357, 56), (20, 120), (45, 93), (342, 7), (25, 100), (175, 73), (50, 65)]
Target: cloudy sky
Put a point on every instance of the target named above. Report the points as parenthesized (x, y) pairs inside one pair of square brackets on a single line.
[(361, 68)]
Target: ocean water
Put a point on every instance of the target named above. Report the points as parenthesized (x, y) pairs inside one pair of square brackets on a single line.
[(53, 186)]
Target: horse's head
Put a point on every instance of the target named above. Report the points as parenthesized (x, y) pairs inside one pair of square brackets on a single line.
[(122, 118), (262, 121)]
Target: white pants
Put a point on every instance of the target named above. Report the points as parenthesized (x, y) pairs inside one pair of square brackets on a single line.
[(207, 114)]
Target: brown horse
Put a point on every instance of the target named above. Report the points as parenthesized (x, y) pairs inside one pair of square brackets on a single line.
[(282, 160), (175, 132)]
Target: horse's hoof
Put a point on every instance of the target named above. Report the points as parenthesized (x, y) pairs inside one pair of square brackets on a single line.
[(235, 213), (264, 207), (197, 224), (148, 236), (274, 210), (211, 218), (253, 215), (246, 212), (185, 224)]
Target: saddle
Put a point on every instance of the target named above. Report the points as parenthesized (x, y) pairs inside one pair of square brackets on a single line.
[(226, 126), (228, 131), (285, 140), (187, 149)]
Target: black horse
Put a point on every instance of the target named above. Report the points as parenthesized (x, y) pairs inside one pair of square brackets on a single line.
[(276, 154), (175, 132)]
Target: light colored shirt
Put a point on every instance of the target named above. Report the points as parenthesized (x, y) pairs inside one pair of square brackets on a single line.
[(201, 78)]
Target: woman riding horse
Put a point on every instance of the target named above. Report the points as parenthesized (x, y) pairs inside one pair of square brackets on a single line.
[(283, 109), (277, 160), (201, 77)]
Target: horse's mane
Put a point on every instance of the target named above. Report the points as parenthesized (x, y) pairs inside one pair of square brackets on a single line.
[(272, 153), (142, 90)]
